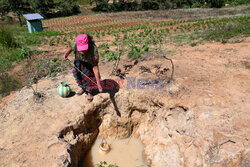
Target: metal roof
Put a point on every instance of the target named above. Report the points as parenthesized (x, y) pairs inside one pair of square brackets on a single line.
[(34, 16)]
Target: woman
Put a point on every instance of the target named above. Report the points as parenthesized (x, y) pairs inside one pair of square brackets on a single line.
[(86, 70)]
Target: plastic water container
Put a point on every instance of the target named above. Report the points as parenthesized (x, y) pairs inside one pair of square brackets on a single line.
[(64, 89)]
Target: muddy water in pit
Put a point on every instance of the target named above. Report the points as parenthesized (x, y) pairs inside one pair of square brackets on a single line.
[(124, 153)]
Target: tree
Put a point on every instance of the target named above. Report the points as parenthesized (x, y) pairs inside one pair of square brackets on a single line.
[(100, 5), (42, 6), (4, 8), (16, 6), (20, 7), (67, 7)]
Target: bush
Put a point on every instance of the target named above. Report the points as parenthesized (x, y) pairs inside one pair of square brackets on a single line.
[(4, 63), (11, 49), (238, 2), (49, 67), (8, 84), (197, 4), (7, 56), (7, 38), (217, 3)]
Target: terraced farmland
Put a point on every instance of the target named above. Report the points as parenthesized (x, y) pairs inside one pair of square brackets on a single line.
[(80, 23), (135, 37)]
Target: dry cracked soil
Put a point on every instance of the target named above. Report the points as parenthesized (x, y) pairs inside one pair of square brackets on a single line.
[(201, 118)]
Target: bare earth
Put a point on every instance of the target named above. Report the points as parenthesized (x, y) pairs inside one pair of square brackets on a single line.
[(201, 119)]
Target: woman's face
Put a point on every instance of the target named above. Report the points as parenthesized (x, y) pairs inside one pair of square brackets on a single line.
[(83, 52)]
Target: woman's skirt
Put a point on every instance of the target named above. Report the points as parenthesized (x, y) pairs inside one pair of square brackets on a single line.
[(86, 77)]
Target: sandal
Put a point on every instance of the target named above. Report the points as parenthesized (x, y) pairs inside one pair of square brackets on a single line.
[(90, 97), (80, 92)]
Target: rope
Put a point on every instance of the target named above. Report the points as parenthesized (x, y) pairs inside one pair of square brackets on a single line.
[(103, 139), (116, 132), (105, 136), (81, 72)]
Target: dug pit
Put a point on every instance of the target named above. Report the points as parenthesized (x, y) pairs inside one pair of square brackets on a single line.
[(120, 132), (167, 130)]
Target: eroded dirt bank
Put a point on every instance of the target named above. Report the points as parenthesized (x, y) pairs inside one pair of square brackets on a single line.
[(202, 119)]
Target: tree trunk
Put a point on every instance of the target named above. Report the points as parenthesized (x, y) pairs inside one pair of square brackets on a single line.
[(19, 18)]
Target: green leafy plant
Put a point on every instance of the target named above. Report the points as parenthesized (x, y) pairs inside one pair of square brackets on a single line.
[(135, 52), (65, 38), (103, 33), (52, 41), (58, 39), (111, 56), (105, 164), (146, 47)]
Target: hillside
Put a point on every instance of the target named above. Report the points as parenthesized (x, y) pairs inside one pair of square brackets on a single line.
[(200, 119)]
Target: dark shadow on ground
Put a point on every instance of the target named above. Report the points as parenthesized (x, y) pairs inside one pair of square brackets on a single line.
[(71, 94), (111, 87)]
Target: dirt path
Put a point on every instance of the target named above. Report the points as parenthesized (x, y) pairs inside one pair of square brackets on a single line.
[(202, 119)]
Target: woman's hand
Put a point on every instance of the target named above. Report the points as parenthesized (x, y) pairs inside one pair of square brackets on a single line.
[(65, 56), (99, 86), (97, 76)]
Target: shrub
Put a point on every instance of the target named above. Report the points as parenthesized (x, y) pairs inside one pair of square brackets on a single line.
[(49, 67), (7, 38), (5, 63), (8, 84), (239, 2), (217, 3)]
